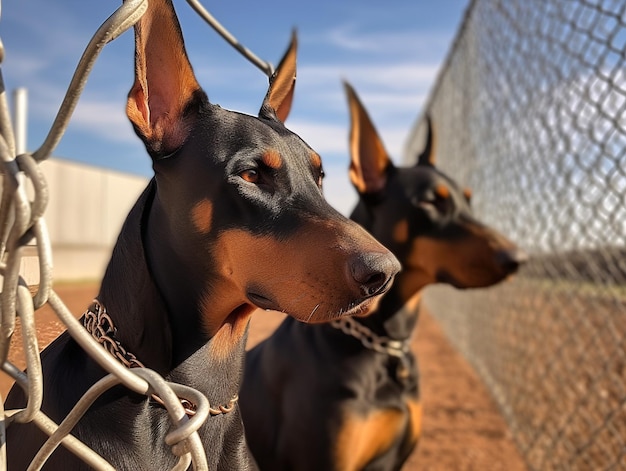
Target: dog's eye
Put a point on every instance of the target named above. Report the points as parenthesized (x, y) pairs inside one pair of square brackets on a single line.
[(433, 202), (250, 175), (320, 179)]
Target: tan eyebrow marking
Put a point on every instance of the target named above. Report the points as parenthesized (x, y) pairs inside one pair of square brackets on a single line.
[(272, 159), (316, 160), (442, 191)]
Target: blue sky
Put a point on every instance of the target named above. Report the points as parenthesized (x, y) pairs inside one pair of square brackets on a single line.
[(389, 51)]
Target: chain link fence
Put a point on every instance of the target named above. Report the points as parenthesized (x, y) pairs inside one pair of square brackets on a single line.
[(529, 111)]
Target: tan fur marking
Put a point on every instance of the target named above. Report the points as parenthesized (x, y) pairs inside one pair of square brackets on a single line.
[(467, 193), (202, 216), (413, 302), (401, 231), (415, 419), (470, 260), (230, 333), (363, 438), (272, 159), (442, 191), (409, 281), (304, 275), (316, 160)]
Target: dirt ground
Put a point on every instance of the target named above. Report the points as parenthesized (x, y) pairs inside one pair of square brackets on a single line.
[(462, 429)]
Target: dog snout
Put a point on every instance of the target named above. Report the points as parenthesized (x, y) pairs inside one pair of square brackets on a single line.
[(374, 272), (510, 260)]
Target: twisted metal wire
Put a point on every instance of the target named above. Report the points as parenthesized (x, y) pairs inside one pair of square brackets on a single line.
[(266, 67), (529, 112)]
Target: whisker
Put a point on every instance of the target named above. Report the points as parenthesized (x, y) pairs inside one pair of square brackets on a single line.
[(312, 312)]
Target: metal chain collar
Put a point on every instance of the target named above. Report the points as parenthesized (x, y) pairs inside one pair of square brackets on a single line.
[(378, 343), (100, 325)]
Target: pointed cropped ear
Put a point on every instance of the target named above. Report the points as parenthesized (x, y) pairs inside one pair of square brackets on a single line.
[(277, 102), (165, 85), (369, 162), (427, 157)]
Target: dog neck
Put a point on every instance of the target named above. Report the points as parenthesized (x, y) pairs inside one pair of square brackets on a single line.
[(130, 296), (160, 321), (396, 314)]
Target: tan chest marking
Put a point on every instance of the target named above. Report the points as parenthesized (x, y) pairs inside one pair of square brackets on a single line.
[(363, 438)]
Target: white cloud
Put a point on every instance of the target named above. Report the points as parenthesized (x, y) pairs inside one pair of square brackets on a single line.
[(353, 38), (399, 75), (324, 138), (98, 116), (105, 119), (24, 65), (47, 26), (392, 95)]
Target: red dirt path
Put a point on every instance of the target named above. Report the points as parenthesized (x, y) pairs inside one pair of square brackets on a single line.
[(462, 428)]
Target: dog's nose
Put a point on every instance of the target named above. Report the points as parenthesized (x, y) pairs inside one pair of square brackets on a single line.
[(374, 272), (511, 260)]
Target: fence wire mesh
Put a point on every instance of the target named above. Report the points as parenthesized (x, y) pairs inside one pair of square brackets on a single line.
[(529, 111)]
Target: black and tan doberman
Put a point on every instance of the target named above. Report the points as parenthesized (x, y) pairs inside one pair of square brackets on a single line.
[(233, 220), (345, 397)]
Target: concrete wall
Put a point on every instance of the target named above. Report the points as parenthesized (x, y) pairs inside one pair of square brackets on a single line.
[(87, 208)]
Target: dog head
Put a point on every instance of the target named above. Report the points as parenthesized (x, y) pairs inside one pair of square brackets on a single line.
[(238, 219), (422, 215)]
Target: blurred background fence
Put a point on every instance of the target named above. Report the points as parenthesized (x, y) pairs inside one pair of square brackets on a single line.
[(529, 111)]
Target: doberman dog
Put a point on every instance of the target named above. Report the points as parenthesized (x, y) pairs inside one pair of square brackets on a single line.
[(315, 398), (233, 220)]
